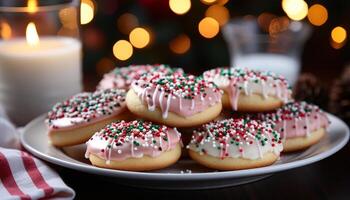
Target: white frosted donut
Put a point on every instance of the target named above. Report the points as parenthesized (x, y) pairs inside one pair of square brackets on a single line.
[(136, 146), (76, 119), (233, 144), (300, 124), (124, 76), (180, 101), (250, 90)]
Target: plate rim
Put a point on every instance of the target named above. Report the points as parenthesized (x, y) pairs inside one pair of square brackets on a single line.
[(185, 176)]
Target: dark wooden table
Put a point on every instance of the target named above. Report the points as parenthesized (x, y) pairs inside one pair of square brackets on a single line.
[(327, 179)]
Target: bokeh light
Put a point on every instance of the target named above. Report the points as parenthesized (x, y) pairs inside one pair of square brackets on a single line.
[(207, 2), (5, 30), (104, 65), (219, 13), (68, 17), (87, 8), (180, 7), (127, 22), (317, 15), (139, 37), (295, 9), (208, 27), (338, 34), (32, 6), (278, 25), (122, 50), (181, 44), (264, 20)]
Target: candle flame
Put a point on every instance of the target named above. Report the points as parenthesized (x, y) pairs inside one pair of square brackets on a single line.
[(32, 35), (32, 6)]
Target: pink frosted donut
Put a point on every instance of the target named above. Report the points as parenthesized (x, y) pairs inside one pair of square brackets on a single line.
[(75, 120), (135, 145), (300, 122), (174, 100), (232, 144), (250, 90), (124, 76)]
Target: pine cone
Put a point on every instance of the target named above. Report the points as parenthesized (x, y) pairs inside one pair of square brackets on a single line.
[(308, 88), (340, 97)]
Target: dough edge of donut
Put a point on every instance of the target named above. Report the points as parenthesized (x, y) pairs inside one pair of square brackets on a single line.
[(81, 134), (301, 143), (229, 163), (135, 106), (252, 103), (145, 163)]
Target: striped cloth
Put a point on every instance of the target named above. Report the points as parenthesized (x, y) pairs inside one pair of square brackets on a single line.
[(21, 175)]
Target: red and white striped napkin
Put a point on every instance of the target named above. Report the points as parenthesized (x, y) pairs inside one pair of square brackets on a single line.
[(21, 175)]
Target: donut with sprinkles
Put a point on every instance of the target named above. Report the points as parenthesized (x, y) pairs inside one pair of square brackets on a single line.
[(134, 146), (235, 143), (179, 101), (123, 77), (301, 124), (76, 119), (250, 90)]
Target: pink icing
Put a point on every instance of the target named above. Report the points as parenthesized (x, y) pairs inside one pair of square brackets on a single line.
[(297, 119), (174, 94), (135, 139)]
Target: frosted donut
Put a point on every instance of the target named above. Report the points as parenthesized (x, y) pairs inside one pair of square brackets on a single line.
[(177, 101), (249, 90), (234, 144), (123, 77), (301, 124), (75, 120), (134, 146)]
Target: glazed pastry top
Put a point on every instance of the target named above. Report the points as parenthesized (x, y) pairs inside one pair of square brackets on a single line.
[(135, 139), (296, 119), (236, 138), (124, 76), (235, 81), (184, 95), (85, 108)]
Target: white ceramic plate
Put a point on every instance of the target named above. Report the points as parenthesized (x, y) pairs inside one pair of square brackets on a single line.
[(34, 139)]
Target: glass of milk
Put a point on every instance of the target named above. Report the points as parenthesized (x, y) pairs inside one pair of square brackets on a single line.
[(40, 56), (277, 49)]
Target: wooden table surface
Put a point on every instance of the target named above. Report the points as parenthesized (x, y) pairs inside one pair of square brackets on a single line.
[(327, 179)]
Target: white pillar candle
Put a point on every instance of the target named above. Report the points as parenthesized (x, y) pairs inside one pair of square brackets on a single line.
[(34, 77)]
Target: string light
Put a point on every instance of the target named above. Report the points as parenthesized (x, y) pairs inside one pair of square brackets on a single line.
[(122, 50), (5, 30), (295, 9), (127, 22), (208, 27), (32, 6), (317, 15), (338, 34), (219, 13), (139, 37), (181, 44), (87, 8), (180, 7), (207, 2)]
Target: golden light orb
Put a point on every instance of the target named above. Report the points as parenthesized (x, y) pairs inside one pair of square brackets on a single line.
[(317, 15), (219, 13), (139, 37), (338, 34), (122, 50), (180, 7), (181, 44), (87, 8), (295, 9), (208, 27)]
